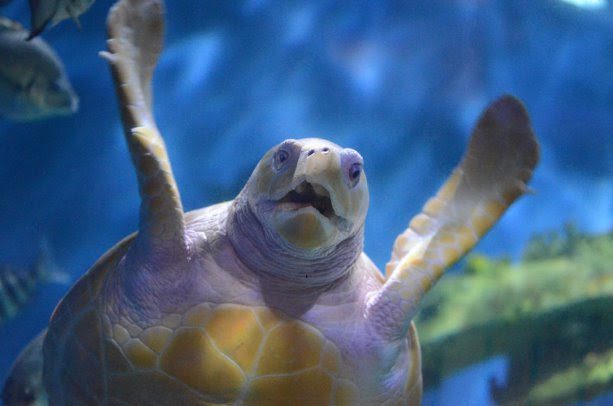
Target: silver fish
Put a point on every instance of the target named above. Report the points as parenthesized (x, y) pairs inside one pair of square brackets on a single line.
[(18, 286), (43, 12), (33, 81)]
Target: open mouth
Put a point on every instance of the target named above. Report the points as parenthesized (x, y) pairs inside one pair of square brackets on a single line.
[(309, 194)]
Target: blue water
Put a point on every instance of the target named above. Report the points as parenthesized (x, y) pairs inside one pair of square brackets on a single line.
[(402, 82)]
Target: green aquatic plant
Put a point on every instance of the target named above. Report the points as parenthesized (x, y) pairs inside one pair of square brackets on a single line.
[(555, 244), (546, 313), (592, 376)]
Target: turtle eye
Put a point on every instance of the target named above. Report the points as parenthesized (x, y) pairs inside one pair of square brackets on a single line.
[(353, 166), (355, 171), (281, 158)]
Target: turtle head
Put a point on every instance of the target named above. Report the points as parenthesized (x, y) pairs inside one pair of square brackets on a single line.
[(310, 192)]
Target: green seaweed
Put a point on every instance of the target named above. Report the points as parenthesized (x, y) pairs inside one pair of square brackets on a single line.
[(586, 380), (547, 313)]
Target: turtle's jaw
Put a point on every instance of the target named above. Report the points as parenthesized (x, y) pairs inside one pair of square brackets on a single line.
[(306, 217), (307, 195)]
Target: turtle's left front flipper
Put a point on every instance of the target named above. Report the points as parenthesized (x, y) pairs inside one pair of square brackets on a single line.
[(135, 32), (493, 173)]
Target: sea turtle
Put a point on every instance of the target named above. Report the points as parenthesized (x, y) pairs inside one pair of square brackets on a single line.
[(268, 298)]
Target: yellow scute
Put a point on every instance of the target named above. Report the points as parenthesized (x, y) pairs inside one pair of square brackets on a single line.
[(230, 352), (156, 337), (237, 333), (331, 359), (346, 394), (140, 355), (268, 318), (312, 387), (481, 223), (197, 316), (421, 224), (494, 208), (290, 347), (193, 358)]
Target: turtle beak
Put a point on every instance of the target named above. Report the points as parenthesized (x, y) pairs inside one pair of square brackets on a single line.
[(314, 202), (316, 182), (309, 194)]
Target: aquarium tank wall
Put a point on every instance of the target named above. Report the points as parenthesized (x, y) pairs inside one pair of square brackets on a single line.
[(402, 83)]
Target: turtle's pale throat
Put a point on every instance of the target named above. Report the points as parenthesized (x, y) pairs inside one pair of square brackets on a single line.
[(308, 194), (266, 254)]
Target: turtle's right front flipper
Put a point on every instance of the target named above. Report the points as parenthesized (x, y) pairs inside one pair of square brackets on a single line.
[(493, 173), (135, 31)]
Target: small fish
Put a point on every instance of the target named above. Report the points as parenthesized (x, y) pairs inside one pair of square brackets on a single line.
[(43, 12), (33, 81), (18, 286)]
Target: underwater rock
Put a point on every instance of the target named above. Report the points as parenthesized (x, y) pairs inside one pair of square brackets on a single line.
[(33, 81)]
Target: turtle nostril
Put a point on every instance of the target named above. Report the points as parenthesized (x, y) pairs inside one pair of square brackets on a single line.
[(323, 150)]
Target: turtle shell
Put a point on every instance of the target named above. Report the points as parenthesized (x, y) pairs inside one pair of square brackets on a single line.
[(207, 354)]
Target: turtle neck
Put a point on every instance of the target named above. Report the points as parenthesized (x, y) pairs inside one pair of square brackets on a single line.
[(279, 263)]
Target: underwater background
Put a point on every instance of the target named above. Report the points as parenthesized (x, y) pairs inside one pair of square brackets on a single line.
[(400, 81)]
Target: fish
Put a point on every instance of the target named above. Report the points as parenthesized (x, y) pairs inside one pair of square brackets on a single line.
[(43, 12), (33, 81), (18, 286)]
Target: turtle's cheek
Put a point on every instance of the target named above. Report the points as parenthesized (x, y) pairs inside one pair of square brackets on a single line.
[(304, 229)]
